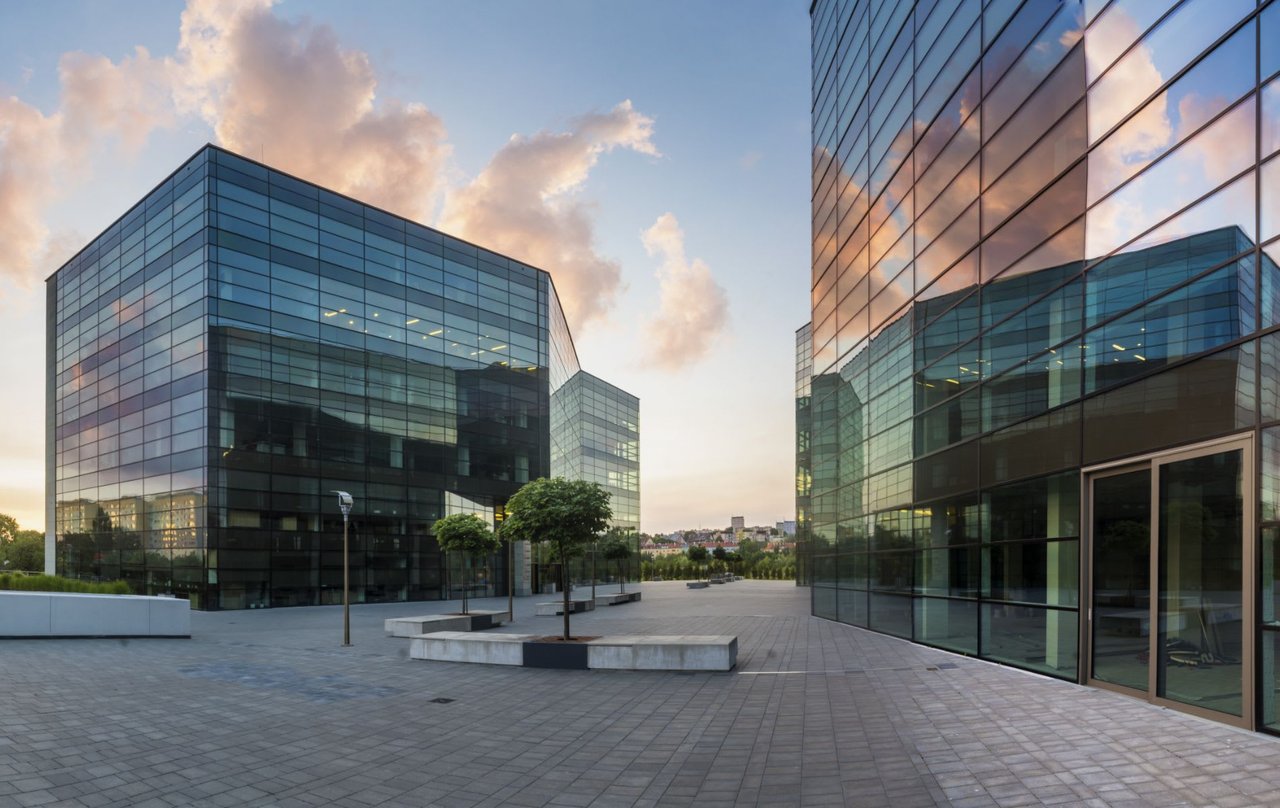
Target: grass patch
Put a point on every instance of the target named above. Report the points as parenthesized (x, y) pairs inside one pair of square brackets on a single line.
[(54, 583)]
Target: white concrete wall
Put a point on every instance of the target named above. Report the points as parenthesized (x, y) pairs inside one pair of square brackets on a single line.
[(65, 614)]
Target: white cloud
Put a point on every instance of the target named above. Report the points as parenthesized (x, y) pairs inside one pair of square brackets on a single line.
[(693, 310), (523, 204)]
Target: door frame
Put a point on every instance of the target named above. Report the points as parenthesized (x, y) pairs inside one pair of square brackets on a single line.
[(1249, 585)]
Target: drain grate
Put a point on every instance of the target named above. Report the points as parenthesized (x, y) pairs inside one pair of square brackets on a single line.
[(442, 701)]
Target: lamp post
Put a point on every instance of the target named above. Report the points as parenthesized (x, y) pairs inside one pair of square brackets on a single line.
[(345, 502)]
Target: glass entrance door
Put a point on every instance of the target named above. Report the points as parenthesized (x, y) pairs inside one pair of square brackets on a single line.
[(1169, 596)]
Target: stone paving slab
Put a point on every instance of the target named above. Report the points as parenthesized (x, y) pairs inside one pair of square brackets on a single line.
[(266, 708)]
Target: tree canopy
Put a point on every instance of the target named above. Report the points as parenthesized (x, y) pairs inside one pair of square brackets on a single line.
[(467, 534), (567, 514)]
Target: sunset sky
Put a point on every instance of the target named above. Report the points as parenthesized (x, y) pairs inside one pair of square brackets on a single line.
[(653, 156)]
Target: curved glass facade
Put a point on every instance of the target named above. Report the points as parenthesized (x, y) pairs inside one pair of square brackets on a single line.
[(243, 343), (1044, 244)]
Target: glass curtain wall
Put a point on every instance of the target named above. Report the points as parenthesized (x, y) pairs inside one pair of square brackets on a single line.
[(241, 344), (1044, 237)]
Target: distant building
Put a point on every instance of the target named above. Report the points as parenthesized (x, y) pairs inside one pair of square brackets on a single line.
[(787, 527), (737, 523)]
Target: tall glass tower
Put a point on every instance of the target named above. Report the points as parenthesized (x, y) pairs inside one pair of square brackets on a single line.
[(1043, 409)]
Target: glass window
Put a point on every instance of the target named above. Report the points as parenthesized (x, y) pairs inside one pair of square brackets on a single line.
[(1031, 637), (1022, 79), (1195, 168), (1174, 43), (1032, 572), (1208, 397), (1211, 86), (1061, 147), (1123, 22), (1036, 222), (947, 624)]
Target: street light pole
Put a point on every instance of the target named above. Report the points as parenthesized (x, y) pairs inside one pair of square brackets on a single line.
[(345, 502)]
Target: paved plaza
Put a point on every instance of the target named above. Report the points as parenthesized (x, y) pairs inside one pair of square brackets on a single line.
[(265, 708)]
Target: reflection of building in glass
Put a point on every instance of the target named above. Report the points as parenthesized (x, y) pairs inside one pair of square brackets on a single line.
[(242, 343), (595, 436), (804, 472), (1045, 258)]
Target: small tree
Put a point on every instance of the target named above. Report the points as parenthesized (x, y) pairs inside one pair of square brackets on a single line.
[(697, 554), (465, 533), (720, 554), (618, 550), (567, 514)]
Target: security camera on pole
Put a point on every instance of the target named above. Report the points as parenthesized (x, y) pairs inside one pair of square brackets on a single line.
[(345, 502)]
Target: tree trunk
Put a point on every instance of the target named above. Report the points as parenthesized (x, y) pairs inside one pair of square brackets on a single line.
[(465, 577), (593, 572), (564, 587), (622, 581)]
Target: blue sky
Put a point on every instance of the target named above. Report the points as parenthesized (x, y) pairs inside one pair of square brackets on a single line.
[(716, 135)]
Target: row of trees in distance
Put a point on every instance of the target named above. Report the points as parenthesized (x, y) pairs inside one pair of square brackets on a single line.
[(750, 560)]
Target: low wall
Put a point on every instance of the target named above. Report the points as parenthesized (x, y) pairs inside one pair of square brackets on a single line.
[(67, 614)]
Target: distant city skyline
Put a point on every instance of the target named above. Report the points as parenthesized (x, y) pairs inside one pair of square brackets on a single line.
[(668, 197)]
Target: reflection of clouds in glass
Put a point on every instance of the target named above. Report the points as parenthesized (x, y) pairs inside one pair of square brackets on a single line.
[(1166, 50), (1271, 117), (1211, 157), (1207, 89), (1232, 206)]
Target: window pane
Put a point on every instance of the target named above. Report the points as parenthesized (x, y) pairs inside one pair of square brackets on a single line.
[(1210, 158), (1208, 88), (1179, 39)]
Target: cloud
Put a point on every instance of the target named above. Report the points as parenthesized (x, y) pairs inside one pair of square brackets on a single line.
[(693, 310), (30, 159), (289, 91), (523, 204)]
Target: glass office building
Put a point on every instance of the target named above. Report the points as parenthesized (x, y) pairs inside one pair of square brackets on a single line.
[(1043, 415), (241, 344)]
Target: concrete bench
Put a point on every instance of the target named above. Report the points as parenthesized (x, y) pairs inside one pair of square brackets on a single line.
[(474, 620), (554, 607), (463, 646), (616, 598), (678, 652), (697, 584)]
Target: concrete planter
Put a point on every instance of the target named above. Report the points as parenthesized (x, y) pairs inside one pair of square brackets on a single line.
[(554, 607), (697, 584), (562, 655), (617, 598), (67, 614), (682, 652), (475, 620)]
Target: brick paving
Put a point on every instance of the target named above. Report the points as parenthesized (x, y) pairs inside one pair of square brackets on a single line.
[(265, 708)]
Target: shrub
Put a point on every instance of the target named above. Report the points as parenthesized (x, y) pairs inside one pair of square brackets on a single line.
[(54, 583)]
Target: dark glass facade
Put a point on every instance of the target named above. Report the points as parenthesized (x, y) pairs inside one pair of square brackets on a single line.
[(241, 344), (1044, 254)]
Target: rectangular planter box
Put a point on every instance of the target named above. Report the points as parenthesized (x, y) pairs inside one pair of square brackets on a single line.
[(67, 614), (562, 655), (554, 607), (476, 620)]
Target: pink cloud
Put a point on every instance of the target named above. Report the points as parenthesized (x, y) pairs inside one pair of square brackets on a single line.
[(693, 309), (522, 204)]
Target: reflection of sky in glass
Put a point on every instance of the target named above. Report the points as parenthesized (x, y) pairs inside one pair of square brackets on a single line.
[(1208, 88), (1117, 29), (1214, 155), (1166, 50)]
